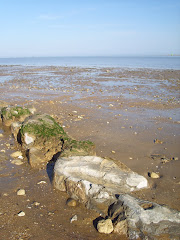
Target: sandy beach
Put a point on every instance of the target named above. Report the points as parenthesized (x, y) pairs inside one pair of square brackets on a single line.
[(132, 116)]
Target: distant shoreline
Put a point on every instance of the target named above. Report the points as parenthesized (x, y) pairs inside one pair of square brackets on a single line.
[(150, 62)]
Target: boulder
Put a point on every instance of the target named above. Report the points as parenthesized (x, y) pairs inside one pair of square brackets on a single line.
[(44, 139), (148, 220), (94, 180), (12, 114)]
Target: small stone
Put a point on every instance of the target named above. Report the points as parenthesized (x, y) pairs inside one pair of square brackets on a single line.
[(36, 204), (16, 154), (21, 214), (121, 228), (175, 158), (1, 135), (21, 192), (147, 206), (154, 175), (74, 218), (41, 182), (17, 162), (113, 151), (165, 160), (105, 226), (71, 202), (158, 141)]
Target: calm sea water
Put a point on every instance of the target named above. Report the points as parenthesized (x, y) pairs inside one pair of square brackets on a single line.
[(170, 62)]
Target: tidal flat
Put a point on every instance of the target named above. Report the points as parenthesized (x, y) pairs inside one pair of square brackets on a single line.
[(132, 116)]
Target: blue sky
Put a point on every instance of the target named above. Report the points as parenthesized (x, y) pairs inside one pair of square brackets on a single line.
[(89, 27)]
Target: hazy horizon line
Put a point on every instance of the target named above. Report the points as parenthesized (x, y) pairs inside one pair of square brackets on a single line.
[(91, 56)]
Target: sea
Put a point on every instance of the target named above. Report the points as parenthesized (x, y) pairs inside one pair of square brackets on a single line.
[(154, 62)]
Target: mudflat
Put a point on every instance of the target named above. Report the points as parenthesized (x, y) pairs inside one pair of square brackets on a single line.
[(132, 116)]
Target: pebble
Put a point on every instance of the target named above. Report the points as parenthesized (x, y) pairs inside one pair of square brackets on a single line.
[(158, 141), (105, 226), (1, 135), (113, 151), (154, 175), (175, 158), (17, 162), (16, 154), (21, 192), (71, 202), (41, 182), (147, 206), (36, 204), (21, 214), (74, 218)]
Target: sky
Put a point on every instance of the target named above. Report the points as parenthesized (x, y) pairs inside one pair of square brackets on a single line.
[(42, 28)]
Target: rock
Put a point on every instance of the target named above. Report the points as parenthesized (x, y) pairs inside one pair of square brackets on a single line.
[(147, 219), (154, 175), (121, 228), (15, 127), (35, 157), (21, 192), (44, 139), (158, 141), (16, 154), (36, 204), (42, 182), (21, 214), (105, 226), (32, 109), (93, 180), (116, 212), (147, 206), (28, 138), (74, 218), (17, 162), (71, 202), (12, 114)]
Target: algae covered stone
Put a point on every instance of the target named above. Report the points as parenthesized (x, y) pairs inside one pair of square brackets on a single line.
[(11, 114), (45, 139)]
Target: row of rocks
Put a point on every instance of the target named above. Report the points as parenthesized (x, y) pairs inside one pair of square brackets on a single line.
[(98, 183)]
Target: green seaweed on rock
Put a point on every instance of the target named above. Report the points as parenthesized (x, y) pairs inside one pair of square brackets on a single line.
[(14, 112), (43, 128)]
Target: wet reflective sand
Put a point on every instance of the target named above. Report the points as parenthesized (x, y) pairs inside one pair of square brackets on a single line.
[(122, 110)]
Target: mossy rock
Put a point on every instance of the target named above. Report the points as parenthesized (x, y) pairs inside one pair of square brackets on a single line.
[(47, 131), (42, 126), (72, 147), (11, 114)]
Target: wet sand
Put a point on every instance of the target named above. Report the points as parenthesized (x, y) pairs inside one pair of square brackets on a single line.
[(121, 110)]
